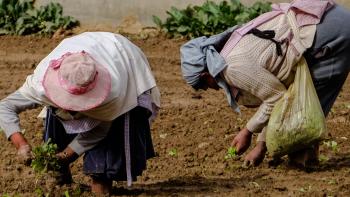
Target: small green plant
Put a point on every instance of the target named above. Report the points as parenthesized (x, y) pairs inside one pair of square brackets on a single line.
[(332, 182), (66, 193), (305, 189), (39, 192), (209, 18), (8, 195), (173, 152), (77, 191), (45, 158), (72, 192), (323, 158), (231, 153), (333, 145)]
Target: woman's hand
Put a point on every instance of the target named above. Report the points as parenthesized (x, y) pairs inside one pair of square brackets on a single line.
[(242, 141), (67, 156), (24, 150), (25, 155)]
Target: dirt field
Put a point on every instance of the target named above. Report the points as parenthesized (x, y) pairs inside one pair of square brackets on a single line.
[(198, 125)]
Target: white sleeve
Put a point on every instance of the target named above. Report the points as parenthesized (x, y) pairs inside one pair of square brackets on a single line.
[(10, 107)]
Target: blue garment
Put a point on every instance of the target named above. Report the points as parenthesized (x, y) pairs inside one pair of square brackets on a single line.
[(107, 160), (201, 54), (329, 57)]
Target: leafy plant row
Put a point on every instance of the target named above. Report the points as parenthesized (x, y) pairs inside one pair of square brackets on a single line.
[(20, 17), (210, 18)]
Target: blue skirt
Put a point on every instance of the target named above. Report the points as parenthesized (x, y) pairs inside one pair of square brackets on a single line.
[(107, 159)]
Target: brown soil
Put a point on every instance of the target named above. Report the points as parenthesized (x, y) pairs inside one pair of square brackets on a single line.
[(198, 125)]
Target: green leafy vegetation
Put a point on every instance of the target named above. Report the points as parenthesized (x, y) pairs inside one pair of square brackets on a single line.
[(210, 18), (20, 17), (66, 193), (39, 192), (45, 158), (305, 189), (73, 192), (8, 195), (333, 145), (323, 159), (173, 152), (231, 153)]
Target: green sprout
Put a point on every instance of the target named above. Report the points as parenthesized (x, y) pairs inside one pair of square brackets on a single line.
[(66, 193), (332, 182), (333, 145), (231, 153), (323, 158), (45, 158), (173, 152), (305, 189), (39, 192), (8, 195)]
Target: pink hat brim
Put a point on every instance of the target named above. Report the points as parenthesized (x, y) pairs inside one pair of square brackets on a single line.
[(73, 102)]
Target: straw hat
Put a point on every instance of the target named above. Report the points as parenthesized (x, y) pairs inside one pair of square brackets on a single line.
[(76, 82)]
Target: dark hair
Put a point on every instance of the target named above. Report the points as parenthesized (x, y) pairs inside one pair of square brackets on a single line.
[(200, 83)]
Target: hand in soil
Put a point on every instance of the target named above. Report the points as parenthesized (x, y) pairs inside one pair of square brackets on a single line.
[(256, 156), (24, 150), (242, 141), (66, 156), (24, 154)]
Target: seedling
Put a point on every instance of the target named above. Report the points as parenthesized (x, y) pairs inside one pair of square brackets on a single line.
[(77, 191), (323, 158), (40, 192), (254, 184), (8, 195), (45, 158), (231, 153), (173, 152), (66, 193), (332, 182), (305, 189), (332, 145)]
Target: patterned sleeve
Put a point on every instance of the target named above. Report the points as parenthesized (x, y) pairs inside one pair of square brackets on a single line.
[(261, 83)]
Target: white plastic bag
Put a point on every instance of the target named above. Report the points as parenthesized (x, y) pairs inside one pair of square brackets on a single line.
[(297, 120)]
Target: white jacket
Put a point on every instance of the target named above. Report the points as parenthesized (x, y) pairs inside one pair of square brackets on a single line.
[(129, 69)]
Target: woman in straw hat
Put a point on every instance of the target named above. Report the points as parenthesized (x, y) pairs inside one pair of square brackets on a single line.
[(99, 96)]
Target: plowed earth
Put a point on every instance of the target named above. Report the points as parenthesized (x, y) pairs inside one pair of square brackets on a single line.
[(191, 136)]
